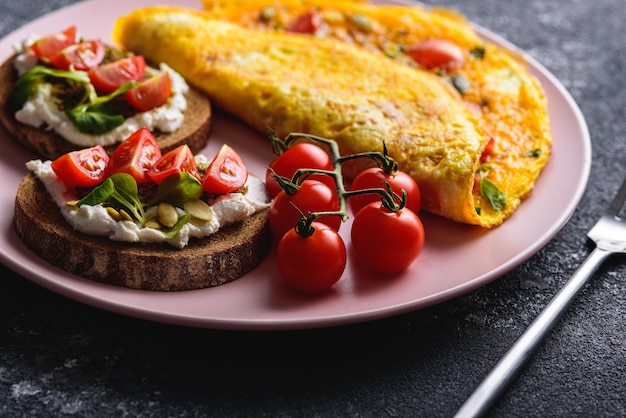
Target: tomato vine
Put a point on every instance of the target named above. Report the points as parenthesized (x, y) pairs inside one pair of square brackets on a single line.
[(390, 233)]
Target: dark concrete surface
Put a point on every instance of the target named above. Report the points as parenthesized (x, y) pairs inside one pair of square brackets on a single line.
[(59, 357)]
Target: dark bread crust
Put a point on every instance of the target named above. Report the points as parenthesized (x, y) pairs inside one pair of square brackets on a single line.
[(49, 145), (218, 259)]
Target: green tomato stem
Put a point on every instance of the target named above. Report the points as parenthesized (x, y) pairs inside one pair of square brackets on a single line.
[(389, 199)]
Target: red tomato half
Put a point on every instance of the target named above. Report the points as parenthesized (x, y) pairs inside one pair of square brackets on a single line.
[(374, 178), (303, 155), (152, 93), (226, 172), (437, 53), (173, 162), (313, 196), (82, 56), (307, 23), (135, 155), (109, 77), (489, 150), (49, 45), (82, 168), (312, 264), (386, 241)]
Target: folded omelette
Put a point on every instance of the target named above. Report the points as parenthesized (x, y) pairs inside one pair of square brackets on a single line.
[(319, 85)]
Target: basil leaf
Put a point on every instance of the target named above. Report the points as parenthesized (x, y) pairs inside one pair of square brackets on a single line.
[(490, 191), (177, 189)]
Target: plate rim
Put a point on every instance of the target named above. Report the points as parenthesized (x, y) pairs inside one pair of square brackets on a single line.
[(142, 312)]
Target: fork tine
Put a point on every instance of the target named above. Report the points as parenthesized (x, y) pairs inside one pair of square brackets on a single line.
[(617, 203)]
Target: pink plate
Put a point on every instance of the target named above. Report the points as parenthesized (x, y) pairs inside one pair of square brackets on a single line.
[(258, 301)]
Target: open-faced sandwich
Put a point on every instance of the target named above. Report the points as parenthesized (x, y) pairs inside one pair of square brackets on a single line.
[(144, 219), (471, 129), (62, 93)]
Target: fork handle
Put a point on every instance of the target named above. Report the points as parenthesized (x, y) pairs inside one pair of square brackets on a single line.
[(497, 380)]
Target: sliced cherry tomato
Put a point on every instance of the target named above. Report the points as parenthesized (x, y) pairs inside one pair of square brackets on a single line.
[(374, 178), (109, 77), (308, 23), (82, 168), (437, 53), (82, 56), (488, 151), (313, 196), (387, 241), (312, 264), (226, 172), (49, 45), (173, 162), (152, 93), (135, 155), (302, 155)]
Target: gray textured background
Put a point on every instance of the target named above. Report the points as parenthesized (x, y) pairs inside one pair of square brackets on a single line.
[(60, 357)]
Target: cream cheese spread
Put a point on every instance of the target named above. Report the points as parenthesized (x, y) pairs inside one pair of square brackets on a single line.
[(95, 220), (41, 110)]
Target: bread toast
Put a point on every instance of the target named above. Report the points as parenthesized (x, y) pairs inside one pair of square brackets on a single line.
[(220, 258), (47, 144)]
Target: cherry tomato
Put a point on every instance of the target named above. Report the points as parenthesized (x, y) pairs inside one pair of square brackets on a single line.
[(82, 56), (437, 53), (135, 155), (49, 45), (313, 196), (302, 155), (307, 22), (109, 77), (312, 264), (226, 172), (387, 241), (153, 92), (374, 178), (82, 168), (173, 162)]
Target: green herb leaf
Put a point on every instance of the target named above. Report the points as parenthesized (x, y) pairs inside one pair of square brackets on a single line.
[(92, 121), (99, 194), (120, 188), (177, 189), (478, 52), (533, 153), (23, 89), (95, 117), (127, 194), (170, 233), (490, 191)]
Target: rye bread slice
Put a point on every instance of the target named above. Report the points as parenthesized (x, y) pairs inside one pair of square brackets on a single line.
[(49, 145), (218, 259)]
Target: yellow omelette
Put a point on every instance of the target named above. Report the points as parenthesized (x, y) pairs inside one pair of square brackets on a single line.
[(294, 83)]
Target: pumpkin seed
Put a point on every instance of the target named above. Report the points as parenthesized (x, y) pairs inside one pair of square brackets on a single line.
[(125, 215), (113, 213), (198, 209), (152, 223), (167, 214)]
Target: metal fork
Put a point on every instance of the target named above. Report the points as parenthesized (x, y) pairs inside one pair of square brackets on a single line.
[(609, 236)]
